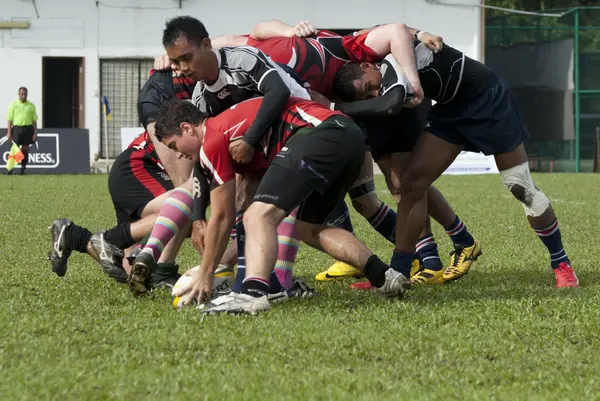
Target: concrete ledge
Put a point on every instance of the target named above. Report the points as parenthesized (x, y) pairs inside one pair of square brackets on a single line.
[(101, 166)]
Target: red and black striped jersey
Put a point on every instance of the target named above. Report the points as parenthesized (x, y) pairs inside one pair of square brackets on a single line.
[(316, 60), (231, 124)]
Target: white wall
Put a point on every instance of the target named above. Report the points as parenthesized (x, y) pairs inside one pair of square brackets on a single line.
[(133, 28)]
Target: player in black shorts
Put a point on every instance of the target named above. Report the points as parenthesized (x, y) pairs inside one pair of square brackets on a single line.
[(392, 132), (138, 184), (318, 150), (475, 111)]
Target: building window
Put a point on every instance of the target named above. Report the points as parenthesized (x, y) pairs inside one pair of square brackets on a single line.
[(120, 81)]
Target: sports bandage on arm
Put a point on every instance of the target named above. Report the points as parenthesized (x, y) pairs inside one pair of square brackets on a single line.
[(201, 194)]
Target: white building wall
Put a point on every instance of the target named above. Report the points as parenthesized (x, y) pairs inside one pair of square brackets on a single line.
[(133, 28)]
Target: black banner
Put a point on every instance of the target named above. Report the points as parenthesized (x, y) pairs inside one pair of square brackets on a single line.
[(57, 151)]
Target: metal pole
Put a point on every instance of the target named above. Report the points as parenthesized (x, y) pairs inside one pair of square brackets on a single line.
[(105, 135), (577, 100)]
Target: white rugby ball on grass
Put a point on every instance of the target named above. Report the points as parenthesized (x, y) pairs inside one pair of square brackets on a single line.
[(222, 282)]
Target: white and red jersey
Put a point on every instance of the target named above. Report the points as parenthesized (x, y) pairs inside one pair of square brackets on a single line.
[(232, 124), (316, 60)]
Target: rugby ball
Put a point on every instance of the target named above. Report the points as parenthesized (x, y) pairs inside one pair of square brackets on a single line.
[(222, 283)]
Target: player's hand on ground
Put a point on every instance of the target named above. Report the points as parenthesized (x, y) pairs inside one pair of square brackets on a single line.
[(433, 42), (303, 30), (198, 235), (200, 287), (241, 152), (163, 63), (317, 97)]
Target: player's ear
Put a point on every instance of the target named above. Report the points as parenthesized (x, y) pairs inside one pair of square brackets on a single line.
[(185, 128), (206, 44), (364, 66)]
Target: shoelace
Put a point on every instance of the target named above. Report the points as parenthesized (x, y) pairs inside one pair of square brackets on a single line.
[(566, 273), (456, 259)]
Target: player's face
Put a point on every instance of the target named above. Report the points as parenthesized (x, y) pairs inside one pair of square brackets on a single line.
[(197, 61), (188, 143), (369, 84), (22, 95)]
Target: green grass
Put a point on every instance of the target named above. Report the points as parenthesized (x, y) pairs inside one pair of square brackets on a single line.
[(501, 333)]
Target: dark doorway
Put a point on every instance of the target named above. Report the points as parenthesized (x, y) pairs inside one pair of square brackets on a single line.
[(63, 92)]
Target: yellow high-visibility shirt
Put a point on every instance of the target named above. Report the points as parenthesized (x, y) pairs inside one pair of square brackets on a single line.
[(21, 114)]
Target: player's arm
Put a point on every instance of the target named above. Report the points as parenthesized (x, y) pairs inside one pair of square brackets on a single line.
[(267, 81), (433, 42), (228, 41), (276, 28), (222, 217), (397, 40), (276, 98), (387, 104)]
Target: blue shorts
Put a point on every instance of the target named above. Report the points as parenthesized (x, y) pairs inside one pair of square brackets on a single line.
[(489, 123)]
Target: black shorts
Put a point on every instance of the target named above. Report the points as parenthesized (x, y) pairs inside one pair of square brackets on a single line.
[(314, 170), (395, 134), (23, 135), (488, 123), (135, 179)]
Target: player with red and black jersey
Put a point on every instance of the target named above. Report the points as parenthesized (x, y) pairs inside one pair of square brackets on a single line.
[(136, 179), (312, 156)]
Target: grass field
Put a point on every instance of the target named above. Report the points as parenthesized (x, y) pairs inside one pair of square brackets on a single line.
[(501, 333)]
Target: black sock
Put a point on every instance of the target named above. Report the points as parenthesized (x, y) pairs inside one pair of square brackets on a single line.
[(165, 271), (255, 286), (120, 236), (375, 271), (77, 238), (275, 286)]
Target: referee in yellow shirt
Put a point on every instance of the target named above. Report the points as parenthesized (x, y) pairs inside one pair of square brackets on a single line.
[(22, 125)]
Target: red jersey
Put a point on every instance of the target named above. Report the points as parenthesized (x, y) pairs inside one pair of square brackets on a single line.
[(142, 141), (316, 60), (144, 144), (182, 85), (232, 124)]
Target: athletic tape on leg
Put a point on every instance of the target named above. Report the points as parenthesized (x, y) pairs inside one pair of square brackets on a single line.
[(519, 182)]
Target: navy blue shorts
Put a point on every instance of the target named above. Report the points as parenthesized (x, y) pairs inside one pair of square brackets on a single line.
[(395, 134), (490, 123)]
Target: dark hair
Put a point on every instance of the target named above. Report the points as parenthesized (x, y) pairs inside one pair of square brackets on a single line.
[(173, 113), (343, 86), (23, 88), (185, 26)]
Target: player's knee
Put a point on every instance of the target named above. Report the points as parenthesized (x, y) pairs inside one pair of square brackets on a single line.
[(413, 187), (519, 182), (259, 213)]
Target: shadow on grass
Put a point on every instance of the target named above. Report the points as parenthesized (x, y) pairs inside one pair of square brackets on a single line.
[(477, 286)]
